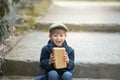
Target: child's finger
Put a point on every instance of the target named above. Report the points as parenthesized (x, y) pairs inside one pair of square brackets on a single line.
[(66, 58)]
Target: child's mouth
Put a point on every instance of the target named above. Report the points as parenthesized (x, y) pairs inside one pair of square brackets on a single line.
[(58, 42)]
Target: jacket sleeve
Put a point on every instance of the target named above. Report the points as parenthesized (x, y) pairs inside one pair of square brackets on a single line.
[(70, 65), (44, 59)]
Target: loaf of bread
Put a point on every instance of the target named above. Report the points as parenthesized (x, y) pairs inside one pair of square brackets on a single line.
[(58, 54)]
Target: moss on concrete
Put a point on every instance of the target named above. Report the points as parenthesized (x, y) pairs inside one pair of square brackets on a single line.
[(38, 9), (31, 11)]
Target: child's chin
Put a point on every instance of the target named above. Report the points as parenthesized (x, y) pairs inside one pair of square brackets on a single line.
[(59, 45)]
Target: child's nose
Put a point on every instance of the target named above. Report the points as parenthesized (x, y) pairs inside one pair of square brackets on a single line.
[(58, 37)]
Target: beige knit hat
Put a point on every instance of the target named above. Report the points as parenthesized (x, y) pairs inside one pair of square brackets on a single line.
[(58, 25)]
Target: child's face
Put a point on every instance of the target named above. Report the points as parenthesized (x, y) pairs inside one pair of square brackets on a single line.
[(58, 38)]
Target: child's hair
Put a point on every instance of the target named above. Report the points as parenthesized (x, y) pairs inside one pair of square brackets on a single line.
[(56, 27)]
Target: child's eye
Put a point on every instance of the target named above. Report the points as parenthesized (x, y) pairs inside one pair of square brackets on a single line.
[(61, 35), (55, 35)]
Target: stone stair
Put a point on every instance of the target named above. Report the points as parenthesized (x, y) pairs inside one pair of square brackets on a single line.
[(31, 78), (100, 60)]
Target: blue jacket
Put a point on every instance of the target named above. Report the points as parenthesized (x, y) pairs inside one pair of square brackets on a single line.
[(45, 55)]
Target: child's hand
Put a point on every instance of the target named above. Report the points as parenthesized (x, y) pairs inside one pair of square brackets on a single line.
[(66, 58), (51, 60)]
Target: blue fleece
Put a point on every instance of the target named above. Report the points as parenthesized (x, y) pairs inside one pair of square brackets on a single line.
[(45, 55)]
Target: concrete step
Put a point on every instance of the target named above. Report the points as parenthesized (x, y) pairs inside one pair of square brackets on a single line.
[(97, 55), (95, 27), (82, 12), (31, 78), (83, 16)]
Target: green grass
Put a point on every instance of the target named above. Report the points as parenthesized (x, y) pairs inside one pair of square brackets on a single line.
[(26, 26), (31, 12), (37, 9), (31, 21)]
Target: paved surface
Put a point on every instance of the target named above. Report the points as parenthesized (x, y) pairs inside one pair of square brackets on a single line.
[(90, 47), (97, 55), (31, 78), (83, 13)]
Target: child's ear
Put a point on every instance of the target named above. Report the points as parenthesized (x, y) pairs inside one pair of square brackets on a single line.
[(65, 35), (49, 36)]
